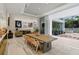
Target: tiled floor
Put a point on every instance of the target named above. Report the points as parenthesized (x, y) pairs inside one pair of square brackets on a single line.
[(61, 46), (16, 46)]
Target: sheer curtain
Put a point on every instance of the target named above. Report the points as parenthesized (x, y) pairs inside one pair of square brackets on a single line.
[(3, 23)]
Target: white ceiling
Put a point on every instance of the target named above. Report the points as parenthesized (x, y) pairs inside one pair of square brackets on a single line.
[(15, 7), (36, 9), (41, 8)]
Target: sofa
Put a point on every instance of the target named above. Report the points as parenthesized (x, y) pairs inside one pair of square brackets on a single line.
[(20, 33), (3, 40)]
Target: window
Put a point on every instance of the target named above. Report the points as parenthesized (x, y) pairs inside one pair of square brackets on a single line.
[(2, 23)]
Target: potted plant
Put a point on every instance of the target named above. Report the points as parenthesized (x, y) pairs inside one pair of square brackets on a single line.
[(36, 30)]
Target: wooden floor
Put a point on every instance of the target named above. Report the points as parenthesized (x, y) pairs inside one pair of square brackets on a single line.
[(61, 46)]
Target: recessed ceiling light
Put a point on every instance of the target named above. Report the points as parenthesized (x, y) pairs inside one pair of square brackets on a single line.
[(39, 8)]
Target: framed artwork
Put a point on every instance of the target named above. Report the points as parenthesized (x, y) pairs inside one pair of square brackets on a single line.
[(18, 24), (24, 24), (30, 24), (34, 24)]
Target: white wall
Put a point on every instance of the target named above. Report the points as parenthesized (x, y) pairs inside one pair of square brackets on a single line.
[(3, 19), (48, 25), (23, 18)]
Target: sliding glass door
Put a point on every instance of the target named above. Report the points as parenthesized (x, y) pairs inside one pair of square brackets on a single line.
[(56, 28)]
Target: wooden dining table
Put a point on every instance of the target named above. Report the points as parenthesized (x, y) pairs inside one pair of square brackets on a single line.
[(45, 41)]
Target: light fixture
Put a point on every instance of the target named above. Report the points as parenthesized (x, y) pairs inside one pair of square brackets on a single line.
[(39, 8)]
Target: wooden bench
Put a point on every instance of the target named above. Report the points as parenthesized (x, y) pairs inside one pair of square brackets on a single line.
[(2, 46)]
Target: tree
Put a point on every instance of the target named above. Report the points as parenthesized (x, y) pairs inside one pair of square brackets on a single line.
[(77, 17), (69, 23)]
